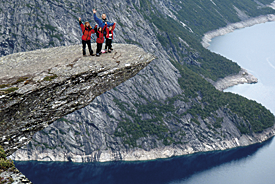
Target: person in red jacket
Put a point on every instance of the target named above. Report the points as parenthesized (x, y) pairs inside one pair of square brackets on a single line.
[(109, 37), (100, 39), (87, 31)]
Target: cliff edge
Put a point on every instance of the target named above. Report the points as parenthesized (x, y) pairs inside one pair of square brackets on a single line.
[(41, 86)]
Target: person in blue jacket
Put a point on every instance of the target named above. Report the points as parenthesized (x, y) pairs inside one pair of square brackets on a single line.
[(101, 23)]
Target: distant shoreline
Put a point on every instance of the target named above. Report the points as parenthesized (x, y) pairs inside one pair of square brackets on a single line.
[(139, 154), (207, 38), (243, 76)]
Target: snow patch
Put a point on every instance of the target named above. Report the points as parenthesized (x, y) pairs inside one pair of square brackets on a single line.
[(241, 14), (213, 2), (272, 5), (181, 40), (184, 25)]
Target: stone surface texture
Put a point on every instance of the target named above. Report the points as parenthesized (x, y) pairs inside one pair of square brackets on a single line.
[(88, 134), (197, 138), (51, 83), (14, 176), (241, 78)]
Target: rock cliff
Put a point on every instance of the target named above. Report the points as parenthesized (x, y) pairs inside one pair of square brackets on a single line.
[(98, 142), (13, 177), (154, 102), (41, 86)]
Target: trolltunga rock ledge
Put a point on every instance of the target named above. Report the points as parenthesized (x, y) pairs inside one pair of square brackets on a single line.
[(41, 86)]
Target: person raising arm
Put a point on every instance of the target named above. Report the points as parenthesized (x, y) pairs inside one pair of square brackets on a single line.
[(100, 38), (101, 23), (87, 31), (109, 37)]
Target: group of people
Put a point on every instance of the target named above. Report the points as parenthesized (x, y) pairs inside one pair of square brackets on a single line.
[(103, 29)]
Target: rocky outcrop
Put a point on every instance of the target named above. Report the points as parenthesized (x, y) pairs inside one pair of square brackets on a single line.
[(233, 26), (42, 86), (241, 78), (13, 176)]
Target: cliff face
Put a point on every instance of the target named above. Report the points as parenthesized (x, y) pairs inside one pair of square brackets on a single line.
[(148, 114), (42, 86), (85, 138)]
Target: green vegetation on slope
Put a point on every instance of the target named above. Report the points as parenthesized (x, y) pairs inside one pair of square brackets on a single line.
[(205, 16), (5, 164), (212, 65), (131, 129), (256, 115), (192, 60), (201, 17)]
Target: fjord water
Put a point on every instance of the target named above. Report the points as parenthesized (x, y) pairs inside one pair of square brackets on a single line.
[(253, 49)]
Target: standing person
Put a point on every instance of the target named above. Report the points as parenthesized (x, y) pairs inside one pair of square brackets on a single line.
[(87, 31), (109, 37), (100, 39), (101, 23)]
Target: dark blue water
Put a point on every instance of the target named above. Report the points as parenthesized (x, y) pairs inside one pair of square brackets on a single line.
[(177, 169), (252, 48)]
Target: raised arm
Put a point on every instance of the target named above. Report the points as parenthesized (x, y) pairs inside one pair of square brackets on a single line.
[(97, 20), (81, 25), (114, 26)]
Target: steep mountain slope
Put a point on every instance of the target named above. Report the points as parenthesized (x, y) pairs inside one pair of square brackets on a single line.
[(168, 103), (39, 87)]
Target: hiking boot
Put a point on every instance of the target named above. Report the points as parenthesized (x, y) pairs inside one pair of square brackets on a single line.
[(111, 49), (92, 54)]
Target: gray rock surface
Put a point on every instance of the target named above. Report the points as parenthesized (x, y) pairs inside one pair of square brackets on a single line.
[(65, 142), (89, 134), (14, 177), (41, 86)]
